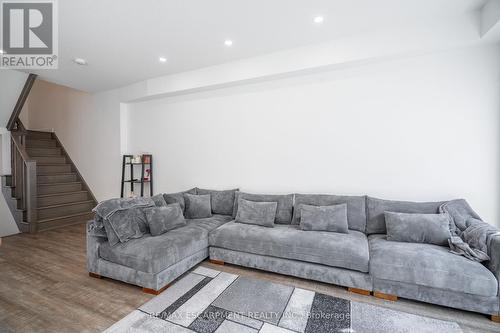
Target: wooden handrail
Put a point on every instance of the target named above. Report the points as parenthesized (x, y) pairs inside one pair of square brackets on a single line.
[(24, 181), (14, 117), (20, 148), (24, 178)]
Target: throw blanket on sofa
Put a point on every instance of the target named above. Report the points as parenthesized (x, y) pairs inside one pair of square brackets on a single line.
[(119, 219), (107, 208), (470, 235)]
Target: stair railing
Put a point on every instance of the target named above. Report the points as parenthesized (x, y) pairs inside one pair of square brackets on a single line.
[(14, 122), (24, 181)]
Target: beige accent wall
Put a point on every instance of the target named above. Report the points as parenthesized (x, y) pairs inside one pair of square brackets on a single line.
[(88, 127)]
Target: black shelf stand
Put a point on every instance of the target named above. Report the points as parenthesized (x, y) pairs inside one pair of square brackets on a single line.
[(146, 161)]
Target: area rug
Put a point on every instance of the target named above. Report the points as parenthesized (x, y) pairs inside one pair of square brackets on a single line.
[(207, 301)]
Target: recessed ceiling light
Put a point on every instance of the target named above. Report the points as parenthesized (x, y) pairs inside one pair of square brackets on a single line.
[(319, 19), (2, 52), (162, 59), (228, 42), (80, 61)]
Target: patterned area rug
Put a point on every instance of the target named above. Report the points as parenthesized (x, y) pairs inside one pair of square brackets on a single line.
[(207, 301)]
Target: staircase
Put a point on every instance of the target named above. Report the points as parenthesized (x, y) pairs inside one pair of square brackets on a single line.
[(62, 197)]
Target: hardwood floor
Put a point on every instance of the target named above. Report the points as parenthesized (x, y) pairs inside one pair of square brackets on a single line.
[(45, 287)]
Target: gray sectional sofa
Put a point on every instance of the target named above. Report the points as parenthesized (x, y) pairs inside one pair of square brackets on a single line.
[(152, 262), (363, 258)]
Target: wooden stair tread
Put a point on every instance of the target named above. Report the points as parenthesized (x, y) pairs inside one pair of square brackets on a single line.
[(51, 164), (55, 184), (38, 139), (47, 174), (44, 155), (60, 193), (66, 204), (40, 143), (63, 217), (36, 131), (60, 174)]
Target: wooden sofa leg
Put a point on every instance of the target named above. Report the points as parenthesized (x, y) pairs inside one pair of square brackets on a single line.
[(217, 262), (153, 291), (94, 275), (359, 291), (387, 297), (496, 319)]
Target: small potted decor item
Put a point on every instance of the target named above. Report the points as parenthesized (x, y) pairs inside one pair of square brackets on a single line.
[(148, 174), (137, 159)]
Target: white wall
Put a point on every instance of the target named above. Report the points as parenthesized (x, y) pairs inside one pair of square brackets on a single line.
[(11, 84), (419, 128)]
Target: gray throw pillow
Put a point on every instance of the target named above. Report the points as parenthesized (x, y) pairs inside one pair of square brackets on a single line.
[(197, 206), (124, 225), (222, 201), (140, 218), (375, 209), (285, 204), (110, 233), (171, 198), (418, 228), (164, 218), (259, 213), (356, 207), (324, 218), (159, 200)]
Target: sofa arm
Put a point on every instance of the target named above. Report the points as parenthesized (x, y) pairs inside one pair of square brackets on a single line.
[(494, 253), (95, 238)]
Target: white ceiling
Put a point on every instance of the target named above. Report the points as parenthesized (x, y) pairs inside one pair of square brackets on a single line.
[(122, 39)]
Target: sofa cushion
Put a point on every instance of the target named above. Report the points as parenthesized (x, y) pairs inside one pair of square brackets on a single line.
[(210, 223), (222, 201), (288, 241), (285, 204), (356, 212), (418, 228), (429, 265), (197, 206), (154, 254), (324, 218), (258, 213), (178, 197), (375, 209)]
